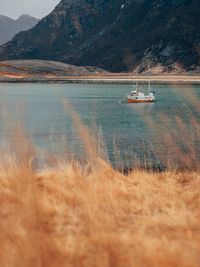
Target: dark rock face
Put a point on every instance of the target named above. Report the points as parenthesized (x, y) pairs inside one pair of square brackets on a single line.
[(9, 27), (120, 35)]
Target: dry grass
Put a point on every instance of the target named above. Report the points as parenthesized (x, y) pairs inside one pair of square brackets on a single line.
[(91, 215), (75, 216)]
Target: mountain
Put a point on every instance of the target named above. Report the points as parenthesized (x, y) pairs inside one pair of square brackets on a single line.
[(42, 70), (9, 27), (121, 35)]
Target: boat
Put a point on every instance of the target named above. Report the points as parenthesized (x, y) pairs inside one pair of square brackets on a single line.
[(138, 97)]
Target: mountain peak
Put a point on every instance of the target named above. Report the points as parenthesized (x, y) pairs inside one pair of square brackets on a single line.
[(26, 16), (120, 35), (9, 27)]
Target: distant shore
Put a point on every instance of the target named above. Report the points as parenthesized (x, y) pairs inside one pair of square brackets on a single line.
[(41, 71), (107, 79)]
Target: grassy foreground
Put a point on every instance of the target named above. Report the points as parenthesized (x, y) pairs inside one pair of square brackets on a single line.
[(96, 216), (90, 215)]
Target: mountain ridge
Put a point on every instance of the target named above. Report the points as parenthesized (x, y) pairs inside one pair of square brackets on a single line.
[(127, 35), (9, 26)]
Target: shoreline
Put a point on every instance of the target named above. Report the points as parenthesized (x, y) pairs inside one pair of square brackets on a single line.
[(109, 79)]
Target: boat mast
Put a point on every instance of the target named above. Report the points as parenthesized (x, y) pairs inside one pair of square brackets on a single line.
[(149, 86), (136, 86)]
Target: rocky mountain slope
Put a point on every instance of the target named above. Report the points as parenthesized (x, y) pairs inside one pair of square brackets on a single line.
[(121, 35), (9, 27)]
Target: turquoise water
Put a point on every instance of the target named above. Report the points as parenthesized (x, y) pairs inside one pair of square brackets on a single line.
[(131, 132)]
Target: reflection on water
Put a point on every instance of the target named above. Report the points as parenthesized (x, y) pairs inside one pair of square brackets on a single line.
[(151, 132)]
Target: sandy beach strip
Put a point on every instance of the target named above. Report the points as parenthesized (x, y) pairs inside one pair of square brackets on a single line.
[(158, 79), (106, 79)]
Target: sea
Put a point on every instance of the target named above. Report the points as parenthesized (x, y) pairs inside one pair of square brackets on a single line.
[(62, 119)]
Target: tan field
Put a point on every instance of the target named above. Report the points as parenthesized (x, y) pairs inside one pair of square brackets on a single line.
[(96, 216), (90, 215)]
